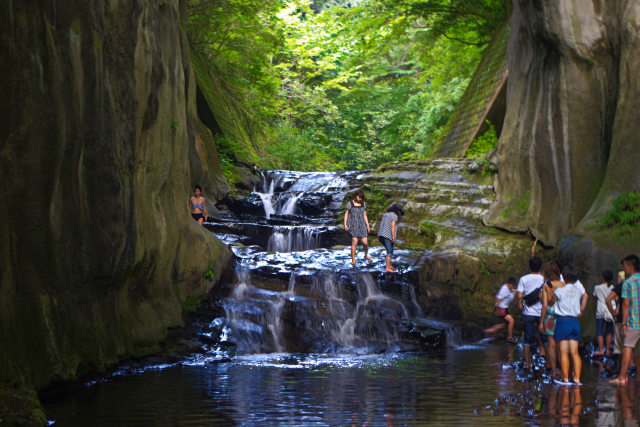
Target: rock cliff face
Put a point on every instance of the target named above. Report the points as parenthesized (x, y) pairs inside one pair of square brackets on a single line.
[(97, 249), (569, 142)]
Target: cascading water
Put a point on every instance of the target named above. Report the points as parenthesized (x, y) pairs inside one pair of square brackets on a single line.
[(289, 207), (290, 239), (266, 195), (298, 296)]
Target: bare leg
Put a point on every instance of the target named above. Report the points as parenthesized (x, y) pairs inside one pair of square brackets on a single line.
[(510, 322), (365, 244), (626, 360), (494, 328), (607, 341), (551, 354), (577, 361), (564, 359), (527, 356), (389, 266), (600, 344), (200, 221), (354, 244)]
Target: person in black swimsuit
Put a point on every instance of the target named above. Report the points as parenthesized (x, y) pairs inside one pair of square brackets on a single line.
[(198, 206)]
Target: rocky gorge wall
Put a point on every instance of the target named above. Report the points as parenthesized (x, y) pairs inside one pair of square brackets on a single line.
[(569, 141), (101, 146)]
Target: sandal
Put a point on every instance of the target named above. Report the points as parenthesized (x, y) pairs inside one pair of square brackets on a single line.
[(511, 341)]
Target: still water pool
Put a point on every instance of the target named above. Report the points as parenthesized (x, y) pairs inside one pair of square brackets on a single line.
[(468, 385)]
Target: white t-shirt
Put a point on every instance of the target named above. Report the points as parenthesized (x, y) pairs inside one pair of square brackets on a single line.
[(601, 292), (568, 303), (526, 285), (577, 283), (505, 295)]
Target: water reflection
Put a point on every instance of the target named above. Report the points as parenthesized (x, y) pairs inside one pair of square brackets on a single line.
[(457, 386)]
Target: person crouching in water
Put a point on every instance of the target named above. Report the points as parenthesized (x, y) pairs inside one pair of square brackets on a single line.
[(357, 224), (505, 295), (387, 232), (570, 302)]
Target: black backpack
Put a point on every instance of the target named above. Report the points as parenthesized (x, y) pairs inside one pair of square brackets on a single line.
[(532, 298)]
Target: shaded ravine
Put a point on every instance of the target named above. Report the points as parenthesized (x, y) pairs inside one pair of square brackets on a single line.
[(298, 337)]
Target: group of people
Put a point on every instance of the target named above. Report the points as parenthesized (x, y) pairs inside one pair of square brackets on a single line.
[(356, 223), (552, 301)]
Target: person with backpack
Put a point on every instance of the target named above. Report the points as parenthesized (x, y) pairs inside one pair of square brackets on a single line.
[(604, 319), (529, 289)]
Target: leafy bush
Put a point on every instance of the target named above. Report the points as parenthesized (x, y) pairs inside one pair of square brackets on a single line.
[(484, 143), (624, 215)]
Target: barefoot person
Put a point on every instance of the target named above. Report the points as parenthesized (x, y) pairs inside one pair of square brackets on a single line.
[(387, 232), (547, 325), (604, 319), (570, 301), (505, 295), (357, 224), (614, 304), (630, 315), (529, 288), (198, 206)]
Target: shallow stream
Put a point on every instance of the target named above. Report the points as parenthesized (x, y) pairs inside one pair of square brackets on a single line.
[(302, 338)]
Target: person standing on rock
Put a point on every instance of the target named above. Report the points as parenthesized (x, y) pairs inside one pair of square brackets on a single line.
[(630, 316), (357, 224), (505, 295), (529, 289), (387, 232), (198, 206)]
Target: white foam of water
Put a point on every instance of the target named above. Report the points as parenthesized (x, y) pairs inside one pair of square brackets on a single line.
[(290, 206)]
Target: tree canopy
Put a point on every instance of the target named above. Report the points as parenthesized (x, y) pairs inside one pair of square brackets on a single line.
[(340, 84)]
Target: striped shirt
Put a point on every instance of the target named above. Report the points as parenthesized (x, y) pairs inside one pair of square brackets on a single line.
[(385, 224), (631, 291)]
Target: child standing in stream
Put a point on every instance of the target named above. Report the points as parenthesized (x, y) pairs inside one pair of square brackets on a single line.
[(357, 224), (387, 232)]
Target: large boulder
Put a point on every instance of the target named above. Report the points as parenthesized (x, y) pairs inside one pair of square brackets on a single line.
[(568, 144), (98, 251)]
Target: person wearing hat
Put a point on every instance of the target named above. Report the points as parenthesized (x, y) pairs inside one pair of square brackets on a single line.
[(387, 231)]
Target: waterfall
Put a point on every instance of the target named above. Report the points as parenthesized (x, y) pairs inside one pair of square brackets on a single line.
[(293, 238), (290, 206), (268, 188)]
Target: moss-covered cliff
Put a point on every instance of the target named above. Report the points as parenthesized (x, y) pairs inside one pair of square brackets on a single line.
[(97, 248)]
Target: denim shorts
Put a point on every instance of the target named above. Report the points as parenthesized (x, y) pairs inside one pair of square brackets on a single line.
[(530, 326), (567, 328), (603, 328), (388, 245)]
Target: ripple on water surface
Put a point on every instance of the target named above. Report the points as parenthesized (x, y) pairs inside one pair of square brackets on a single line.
[(293, 389)]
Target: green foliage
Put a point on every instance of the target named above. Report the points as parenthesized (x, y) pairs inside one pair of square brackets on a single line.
[(174, 124), (192, 303), (483, 144), (338, 84), (518, 206), (209, 274), (624, 216)]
